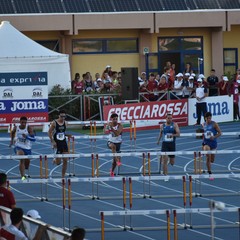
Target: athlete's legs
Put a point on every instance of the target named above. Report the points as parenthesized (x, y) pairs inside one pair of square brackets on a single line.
[(209, 158), (26, 163), (165, 162), (172, 160), (64, 166), (115, 159), (21, 163)]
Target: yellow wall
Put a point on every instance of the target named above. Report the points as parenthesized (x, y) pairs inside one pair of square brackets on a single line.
[(46, 35), (231, 39), (95, 62)]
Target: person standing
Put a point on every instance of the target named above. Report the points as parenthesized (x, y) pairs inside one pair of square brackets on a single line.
[(233, 89), (23, 136), (115, 140), (211, 133), (201, 105), (57, 135), (169, 131), (213, 83), (6, 196)]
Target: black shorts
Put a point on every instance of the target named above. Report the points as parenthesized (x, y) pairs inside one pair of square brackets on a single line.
[(169, 147), (118, 146), (62, 147)]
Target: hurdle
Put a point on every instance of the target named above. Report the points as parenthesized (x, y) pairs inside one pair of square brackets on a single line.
[(127, 154), (71, 150), (169, 226), (198, 181)]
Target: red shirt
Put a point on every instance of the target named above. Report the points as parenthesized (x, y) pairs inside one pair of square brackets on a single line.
[(223, 90), (234, 91), (79, 86), (6, 198)]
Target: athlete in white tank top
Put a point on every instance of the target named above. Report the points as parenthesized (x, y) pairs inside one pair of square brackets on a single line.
[(23, 136)]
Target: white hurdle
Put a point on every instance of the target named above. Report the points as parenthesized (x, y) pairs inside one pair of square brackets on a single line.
[(168, 212)]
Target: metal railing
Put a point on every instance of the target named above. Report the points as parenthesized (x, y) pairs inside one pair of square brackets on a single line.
[(29, 224)]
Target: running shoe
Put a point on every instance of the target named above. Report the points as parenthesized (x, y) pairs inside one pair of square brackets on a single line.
[(211, 178), (24, 178), (111, 173)]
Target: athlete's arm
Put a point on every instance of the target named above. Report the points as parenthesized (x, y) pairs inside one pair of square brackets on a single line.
[(219, 133), (12, 135), (31, 135), (118, 131), (50, 131), (177, 130), (160, 134)]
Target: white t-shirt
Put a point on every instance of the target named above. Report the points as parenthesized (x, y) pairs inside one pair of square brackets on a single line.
[(19, 235)]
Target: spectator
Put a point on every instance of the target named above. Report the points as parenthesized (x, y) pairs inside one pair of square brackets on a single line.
[(107, 87), (178, 87), (157, 78), (106, 77), (191, 86), (88, 83), (204, 81), (100, 85), (74, 81), (152, 87), (79, 86), (78, 234), (188, 68), (30, 228), (115, 83), (166, 71), (212, 82), (6, 196), (223, 86), (201, 105), (97, 76), (16, 217), (234, 91), (163, 86), (185, 85), (107, 70), (142, 79)]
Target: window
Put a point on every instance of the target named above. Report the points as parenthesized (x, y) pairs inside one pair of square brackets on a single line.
[(180, 43), (87, 46), (128, 45), (105, 46), (191, 43), (50, 44), (168, 44), (230, 60)]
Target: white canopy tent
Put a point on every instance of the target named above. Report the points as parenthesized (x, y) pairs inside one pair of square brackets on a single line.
[(19, 53)]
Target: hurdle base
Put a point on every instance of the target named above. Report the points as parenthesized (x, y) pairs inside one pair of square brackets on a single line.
[(127, 228)]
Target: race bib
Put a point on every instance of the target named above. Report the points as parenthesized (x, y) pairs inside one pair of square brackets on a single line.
[(60, 136), (168, 137), (21, 140), (208, 134)]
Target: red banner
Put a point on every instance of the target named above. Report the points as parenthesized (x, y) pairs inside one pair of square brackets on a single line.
[(150, 111), (32, 117)]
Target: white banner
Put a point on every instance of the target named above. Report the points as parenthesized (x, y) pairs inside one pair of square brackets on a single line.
[(221, 108)]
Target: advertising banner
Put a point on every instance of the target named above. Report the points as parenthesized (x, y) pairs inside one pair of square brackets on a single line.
[(149, 113), (23, 94), (221, 108)]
